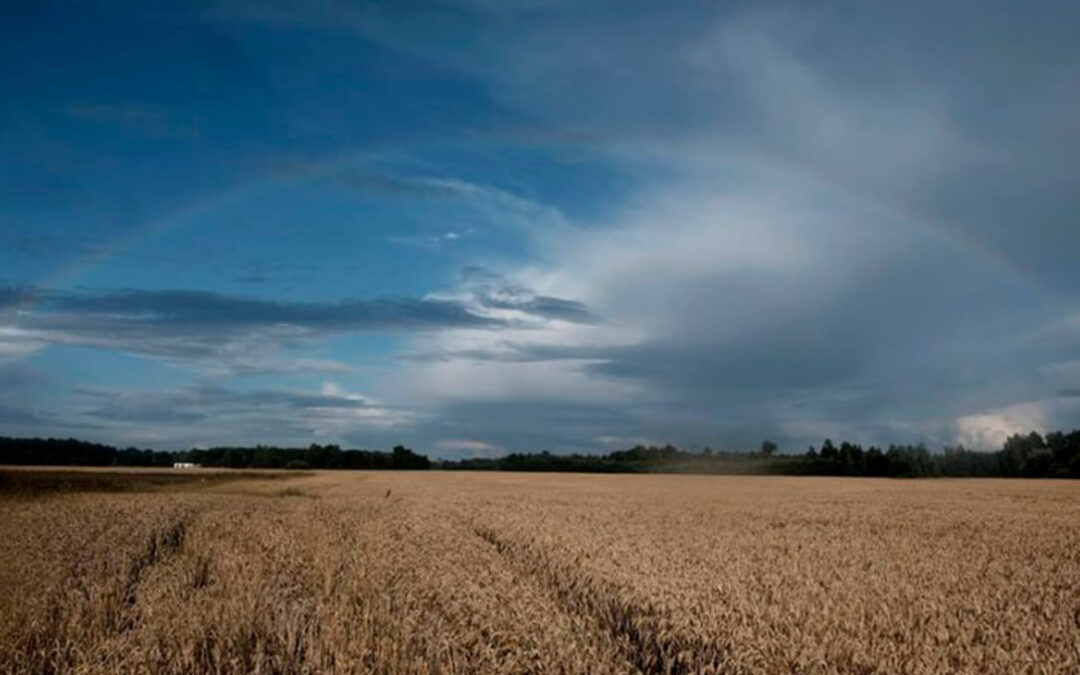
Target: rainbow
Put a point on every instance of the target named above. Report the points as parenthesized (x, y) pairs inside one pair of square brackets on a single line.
[(952, 237)]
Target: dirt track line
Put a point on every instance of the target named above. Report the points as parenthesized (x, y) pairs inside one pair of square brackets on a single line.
[(160, 546), (647, 639)]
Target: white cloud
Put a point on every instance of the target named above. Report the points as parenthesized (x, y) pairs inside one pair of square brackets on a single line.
[(989, 430), (17, 344), (624, 441), (472, 448)]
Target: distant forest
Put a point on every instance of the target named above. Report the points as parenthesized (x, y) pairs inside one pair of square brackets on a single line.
[(1056, 455), (72, 452)]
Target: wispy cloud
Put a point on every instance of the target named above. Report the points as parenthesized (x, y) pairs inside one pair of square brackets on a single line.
[(468, 448), (428, 241), (244, 334), (500, 208), (247, 415), (404, 186)]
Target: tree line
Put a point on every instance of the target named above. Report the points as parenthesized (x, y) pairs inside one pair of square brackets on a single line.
[(1056, 455), (73, 452)]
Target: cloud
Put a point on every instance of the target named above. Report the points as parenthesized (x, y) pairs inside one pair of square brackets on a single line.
[(401, 186), (15, 296), (25, 406), (209, 413), (790, 267), (428, 241), (171, 309), (624, 441), (244, 334), (518, 424), (723, 320), (542, 305), (989, 430), (14, 415), (473, 448)]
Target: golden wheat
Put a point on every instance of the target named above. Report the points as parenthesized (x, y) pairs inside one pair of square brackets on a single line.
[(515, 573)]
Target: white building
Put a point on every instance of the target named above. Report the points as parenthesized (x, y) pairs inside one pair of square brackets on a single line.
[(185, 465)]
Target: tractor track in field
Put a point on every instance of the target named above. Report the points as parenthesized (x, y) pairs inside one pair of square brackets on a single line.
[(647, 638)]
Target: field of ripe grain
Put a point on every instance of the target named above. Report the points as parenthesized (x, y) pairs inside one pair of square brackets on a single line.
[(538, 573)]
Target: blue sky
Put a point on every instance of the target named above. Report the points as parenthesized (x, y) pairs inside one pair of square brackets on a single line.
[(474, 227)]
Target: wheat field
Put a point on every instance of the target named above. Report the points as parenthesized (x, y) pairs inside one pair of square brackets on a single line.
[(440, 572)]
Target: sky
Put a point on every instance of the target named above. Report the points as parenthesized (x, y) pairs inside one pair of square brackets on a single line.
[(483, 226)]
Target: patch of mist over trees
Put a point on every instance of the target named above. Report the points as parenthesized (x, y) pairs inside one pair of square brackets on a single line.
[(1056, 455)]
